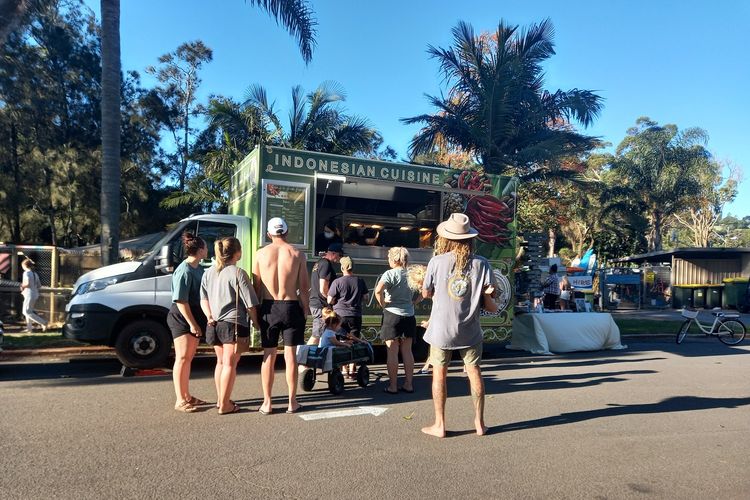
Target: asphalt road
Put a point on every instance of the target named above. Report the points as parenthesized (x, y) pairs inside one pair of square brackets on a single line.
[(657, 420)]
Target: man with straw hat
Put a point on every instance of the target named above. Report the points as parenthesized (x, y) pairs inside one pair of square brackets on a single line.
[(460, 284)]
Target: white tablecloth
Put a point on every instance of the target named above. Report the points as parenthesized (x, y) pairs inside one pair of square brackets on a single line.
[(546, 333)]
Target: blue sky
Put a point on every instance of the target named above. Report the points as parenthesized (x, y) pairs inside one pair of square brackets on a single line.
[(682, 62)]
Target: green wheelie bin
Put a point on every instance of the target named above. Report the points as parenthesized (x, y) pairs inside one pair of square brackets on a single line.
[(735, 292), (714, 295), (699, 297), (682, 296)]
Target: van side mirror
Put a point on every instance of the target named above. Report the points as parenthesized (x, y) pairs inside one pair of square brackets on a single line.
[(164, 259)]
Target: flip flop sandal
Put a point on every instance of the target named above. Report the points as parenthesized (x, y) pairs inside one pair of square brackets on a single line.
[(264, 412), (403, 389), (196, 402), (186, 407), (234, 409), (299, 409), (390, 392), (230, 402)]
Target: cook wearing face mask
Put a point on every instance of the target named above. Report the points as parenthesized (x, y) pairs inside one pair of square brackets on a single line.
[(330, 234)]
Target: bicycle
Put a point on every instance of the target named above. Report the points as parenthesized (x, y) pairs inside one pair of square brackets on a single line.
[(726, 326)]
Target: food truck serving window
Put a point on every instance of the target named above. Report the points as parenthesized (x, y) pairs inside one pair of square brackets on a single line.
[(372, 215), (291, 201)]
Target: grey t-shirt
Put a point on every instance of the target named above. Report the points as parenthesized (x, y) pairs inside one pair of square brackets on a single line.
[(220, 289), (399, 297), (456, 302)]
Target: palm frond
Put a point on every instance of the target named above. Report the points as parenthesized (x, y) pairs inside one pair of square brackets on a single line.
[(297, 17)]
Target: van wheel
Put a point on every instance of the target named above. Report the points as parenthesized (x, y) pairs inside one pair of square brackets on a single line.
[(143, 344), (419, 348)]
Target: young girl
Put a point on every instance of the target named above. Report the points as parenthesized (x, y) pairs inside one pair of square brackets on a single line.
[(30, 286), (332, 323)]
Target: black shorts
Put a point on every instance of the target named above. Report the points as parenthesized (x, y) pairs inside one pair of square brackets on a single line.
[(352, 325), (177, 323), (396, 326), (223, 333), (281, 318)]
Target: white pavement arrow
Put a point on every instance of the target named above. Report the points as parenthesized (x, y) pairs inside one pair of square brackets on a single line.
[(362, 410)]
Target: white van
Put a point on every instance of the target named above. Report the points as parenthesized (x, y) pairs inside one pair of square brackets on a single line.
[(125, 305)]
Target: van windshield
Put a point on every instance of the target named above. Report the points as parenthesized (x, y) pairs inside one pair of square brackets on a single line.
[(177, 229)]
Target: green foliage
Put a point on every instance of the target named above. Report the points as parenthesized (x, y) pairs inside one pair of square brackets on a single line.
[(50, 155), (297, 18), (658, 169), (497, 108)]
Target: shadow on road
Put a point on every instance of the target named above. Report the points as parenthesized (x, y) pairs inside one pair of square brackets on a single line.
[(675, 404)]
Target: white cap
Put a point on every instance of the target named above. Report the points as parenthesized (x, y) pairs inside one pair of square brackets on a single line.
[(277, 226)]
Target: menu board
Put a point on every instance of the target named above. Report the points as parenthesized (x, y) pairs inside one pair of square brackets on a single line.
[(288, 200)]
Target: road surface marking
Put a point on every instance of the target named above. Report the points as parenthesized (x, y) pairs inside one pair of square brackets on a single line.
[(362, 410)]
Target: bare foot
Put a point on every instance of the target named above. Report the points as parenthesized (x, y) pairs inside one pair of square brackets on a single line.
[(434, 430), (265, 408), (481, 429)]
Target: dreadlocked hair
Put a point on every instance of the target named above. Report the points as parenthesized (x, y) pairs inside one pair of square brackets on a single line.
[(462, 249)]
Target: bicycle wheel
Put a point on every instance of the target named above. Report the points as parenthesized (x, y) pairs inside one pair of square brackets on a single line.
[(683, 331), (731, 331)]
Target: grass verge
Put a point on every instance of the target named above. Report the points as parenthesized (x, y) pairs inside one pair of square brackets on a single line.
[(647, 327), (46, 340)]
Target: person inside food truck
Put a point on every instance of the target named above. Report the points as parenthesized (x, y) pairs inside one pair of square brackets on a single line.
[(330, 234)]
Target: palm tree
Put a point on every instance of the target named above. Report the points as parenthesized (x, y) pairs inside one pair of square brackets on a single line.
[(110, 107), (497, 108), (295, 15), (316, 122), (659, 170), (233, 131)]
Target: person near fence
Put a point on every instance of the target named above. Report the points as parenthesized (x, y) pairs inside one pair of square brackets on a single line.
[(460, 284), (228, 300), (399, 323), (186, 320), (346, 294), (30, 285), (281, 281)]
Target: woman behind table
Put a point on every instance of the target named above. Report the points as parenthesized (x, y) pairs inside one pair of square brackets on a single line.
[(30, 285), (566, 293), (186, 321), (227, 299), (346, 295), (399, 324)]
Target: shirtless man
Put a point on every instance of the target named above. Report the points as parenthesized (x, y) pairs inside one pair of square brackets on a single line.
[(281, 283)]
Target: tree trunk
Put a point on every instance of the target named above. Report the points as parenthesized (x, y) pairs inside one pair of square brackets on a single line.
[(657, 231), (16, 195), (552, 239), (110, 107)]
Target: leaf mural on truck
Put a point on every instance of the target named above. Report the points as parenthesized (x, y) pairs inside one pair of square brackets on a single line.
[(491, 216)]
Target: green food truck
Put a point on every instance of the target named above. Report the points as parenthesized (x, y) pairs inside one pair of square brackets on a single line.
[(378, 205)]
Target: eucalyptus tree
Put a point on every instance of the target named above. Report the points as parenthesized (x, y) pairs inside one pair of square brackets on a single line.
[(659, 169), (496, 106), (233, 131)]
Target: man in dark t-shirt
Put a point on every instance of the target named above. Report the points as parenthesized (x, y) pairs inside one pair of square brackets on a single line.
[(323, 275), (346, 294)]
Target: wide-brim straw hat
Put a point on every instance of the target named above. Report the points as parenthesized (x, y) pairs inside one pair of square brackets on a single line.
[(457, 227)]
